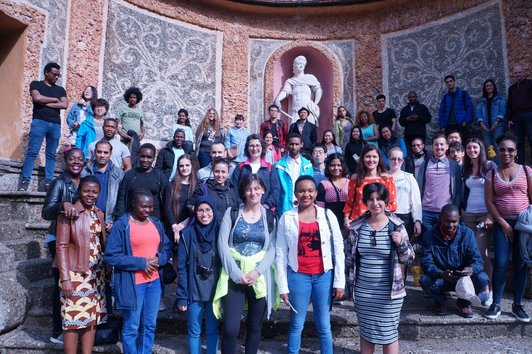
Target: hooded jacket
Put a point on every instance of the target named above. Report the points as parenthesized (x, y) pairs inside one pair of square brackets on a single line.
[(224, 197), (267, 174), (166, 157), (119, 254)]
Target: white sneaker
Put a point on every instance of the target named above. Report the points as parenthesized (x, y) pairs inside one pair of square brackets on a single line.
[(486, 298), (57, 340)]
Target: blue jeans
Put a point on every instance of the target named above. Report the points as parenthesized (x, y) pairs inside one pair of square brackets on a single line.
[(194, 317), (490, 138), (436, 288), (304, 287), (429, 219), (145, 316), (503, 249), (523, 129), (40, 130)]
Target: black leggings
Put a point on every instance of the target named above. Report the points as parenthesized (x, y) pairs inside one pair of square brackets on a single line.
[(57, 327), (233, 306)]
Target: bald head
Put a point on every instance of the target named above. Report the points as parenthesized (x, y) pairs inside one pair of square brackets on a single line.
[(518, 72)]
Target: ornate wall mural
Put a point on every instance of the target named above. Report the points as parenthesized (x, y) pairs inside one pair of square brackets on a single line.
[(346, 52), (259, 52), (469, 45), (176, 65), (53, 49)]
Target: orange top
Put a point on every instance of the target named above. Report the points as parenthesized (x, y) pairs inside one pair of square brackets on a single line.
[(355, 207), (145, 241)]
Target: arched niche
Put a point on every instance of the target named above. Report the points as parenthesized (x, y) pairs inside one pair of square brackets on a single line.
[(321, 63)]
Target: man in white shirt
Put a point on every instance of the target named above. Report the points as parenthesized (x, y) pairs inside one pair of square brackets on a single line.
[(217, 150), (121, 156)]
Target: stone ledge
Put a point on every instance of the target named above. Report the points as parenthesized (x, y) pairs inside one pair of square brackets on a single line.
[(36, 341)]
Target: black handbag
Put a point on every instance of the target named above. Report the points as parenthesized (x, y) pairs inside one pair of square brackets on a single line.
[(169, 273), (107, 333)]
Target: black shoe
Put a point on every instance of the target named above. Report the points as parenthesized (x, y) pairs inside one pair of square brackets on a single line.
[(520, 313), (23, 186), (465, 311), (440, 310), (493, 312)]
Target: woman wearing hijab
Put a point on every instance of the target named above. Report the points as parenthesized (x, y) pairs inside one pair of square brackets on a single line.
[(198, 268)]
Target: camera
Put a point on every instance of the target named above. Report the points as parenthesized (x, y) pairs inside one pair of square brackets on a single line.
[(204, 271)]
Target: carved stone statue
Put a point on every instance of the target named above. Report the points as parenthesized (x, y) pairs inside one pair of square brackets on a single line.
[(302, 87)]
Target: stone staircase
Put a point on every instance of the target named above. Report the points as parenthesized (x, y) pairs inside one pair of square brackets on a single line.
[(26, 286)]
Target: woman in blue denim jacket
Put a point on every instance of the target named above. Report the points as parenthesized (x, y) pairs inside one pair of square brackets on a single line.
[(490, 113), (80, 110)]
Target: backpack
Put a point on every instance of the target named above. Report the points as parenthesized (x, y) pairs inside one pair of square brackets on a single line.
[(269, 216)]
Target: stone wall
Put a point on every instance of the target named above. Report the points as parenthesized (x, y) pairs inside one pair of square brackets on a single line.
[(198, 54)]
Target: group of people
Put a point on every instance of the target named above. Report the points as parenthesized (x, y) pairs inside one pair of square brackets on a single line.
[(253, 220)]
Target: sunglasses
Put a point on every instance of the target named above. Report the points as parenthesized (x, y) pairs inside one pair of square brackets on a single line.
[(508, 150), (373, 239)]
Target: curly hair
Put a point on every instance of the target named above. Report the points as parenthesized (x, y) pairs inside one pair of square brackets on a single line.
[(204, 125), (368, 113), (135, 91)]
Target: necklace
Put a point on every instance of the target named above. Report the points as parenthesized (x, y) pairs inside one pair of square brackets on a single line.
[(507, 180)]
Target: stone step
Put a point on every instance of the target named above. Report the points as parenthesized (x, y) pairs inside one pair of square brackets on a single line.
[(7, 255), (40, 293), (35, 269), (36, 341), (417, 321), (27, 248), (21, 215)]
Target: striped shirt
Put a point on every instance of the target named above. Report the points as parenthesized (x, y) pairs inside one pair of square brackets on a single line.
[(511, 198)]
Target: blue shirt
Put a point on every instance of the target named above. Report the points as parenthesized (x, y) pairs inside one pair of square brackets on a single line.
[(319, 175), (248, 239), (103, 177)]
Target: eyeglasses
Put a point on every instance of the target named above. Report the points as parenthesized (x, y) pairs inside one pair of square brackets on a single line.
[(508, 150), (373, 239), (398, 159), (416, 145)]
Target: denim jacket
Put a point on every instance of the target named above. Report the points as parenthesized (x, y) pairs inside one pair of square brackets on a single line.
[(73, 114), (119, 254), (399, 255), (498, 110)]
